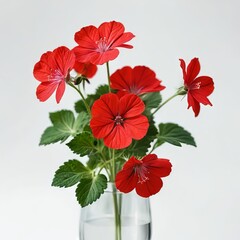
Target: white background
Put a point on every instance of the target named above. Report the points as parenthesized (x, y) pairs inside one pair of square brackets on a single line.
[(200, 200)]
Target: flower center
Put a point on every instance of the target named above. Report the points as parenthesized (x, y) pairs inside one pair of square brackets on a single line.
[(135, 89), (56, 75), (142, 173), (194, 86), (102, 45), (118, 120)]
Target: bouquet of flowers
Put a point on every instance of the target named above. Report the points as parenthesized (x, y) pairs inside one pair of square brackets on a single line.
[(115, 127)]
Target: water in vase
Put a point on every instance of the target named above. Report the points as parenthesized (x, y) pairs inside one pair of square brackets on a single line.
[(103, 229)]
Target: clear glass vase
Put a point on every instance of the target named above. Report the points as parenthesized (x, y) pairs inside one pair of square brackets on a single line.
[(116, 216)]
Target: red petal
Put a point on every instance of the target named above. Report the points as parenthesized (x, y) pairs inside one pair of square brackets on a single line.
[(193, 70), (138, 80), (200, 98), (126, 179), (131, 163), (137, 126), (86, 69), (145, 80), (106, 107), (87, 37), (60, 91), (206, 85), (126, 45), (194, 104), (104, 111), (101, 58), (149, 187), (42, 70), (63, 59), (183, 66), (130, 106), (118, 138), (122, 79), (45, 90), (111, 31), (101, 127), (124, 38), (158, 166)]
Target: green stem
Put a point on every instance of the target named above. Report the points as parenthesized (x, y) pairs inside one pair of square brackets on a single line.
[(180, 91), (83, 98), (117, 216), (108, 76), (105, 163), (113, 164)]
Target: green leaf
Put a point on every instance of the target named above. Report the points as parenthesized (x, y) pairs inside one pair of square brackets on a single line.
[(81, 122), (173, 134), (64, 125), (94, 160), (70, 173), (65, 118), (152, 100), (102, 89), (83, 144), (52, 135), (140, 148), (90, 189)]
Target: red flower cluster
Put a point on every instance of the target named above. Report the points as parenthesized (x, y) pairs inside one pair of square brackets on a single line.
[(118, 120), (96, 46), (143, 175), (137, 80), (198, 88)]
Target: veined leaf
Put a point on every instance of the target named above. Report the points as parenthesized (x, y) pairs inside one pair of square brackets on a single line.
[(70, 173), (102, 89), (53, 135), (63, 117), (81, 121), (90, 189), (152, 100), (173, 134), (83, 144), (64, 125)]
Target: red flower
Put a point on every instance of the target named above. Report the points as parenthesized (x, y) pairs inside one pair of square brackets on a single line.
[(118, 120), (198, 88), (138, 80), (143, 175), (53, 71), (87, 70), (98, 45)]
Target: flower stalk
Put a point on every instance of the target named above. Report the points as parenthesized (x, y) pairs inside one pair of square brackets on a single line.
[(181, 91), (82, 96)]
